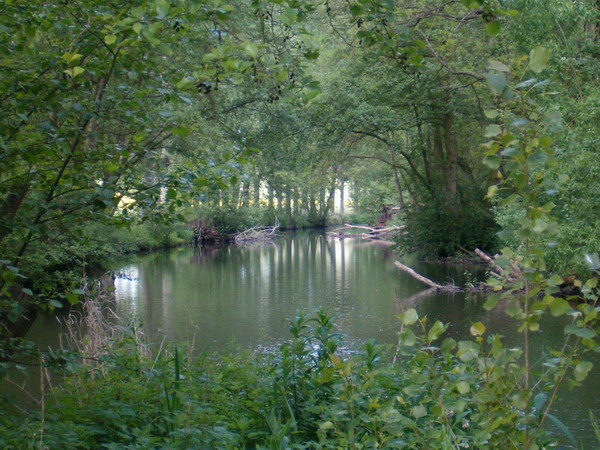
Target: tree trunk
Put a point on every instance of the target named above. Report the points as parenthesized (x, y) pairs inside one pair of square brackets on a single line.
[(256, 191), (451, 157), (398, 188), (270, 196), (342, 199), (245, 195)]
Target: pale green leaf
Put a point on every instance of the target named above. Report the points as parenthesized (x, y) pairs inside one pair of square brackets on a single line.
[(110, 39), (582, 369), (409, 316), (493, 130), (538, 59)]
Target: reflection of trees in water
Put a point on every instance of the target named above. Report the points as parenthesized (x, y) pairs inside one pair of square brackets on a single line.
[(204, 253)]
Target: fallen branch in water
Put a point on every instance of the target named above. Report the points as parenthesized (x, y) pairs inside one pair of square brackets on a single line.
[(371, 232), (257, 234), (427, 281), (499, 272)]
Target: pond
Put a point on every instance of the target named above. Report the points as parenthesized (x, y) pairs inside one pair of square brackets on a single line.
[(246, 294)]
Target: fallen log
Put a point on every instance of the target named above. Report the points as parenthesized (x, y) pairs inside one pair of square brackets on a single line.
[(499, 272), (370, 232), (427, 281), (488, 259)]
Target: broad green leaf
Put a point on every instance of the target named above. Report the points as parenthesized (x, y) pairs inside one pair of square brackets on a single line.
[(467, 350), (491, 302), (55, 303), (585, 333), (407, 337), (582, 369), (251, 50), (498, 66), (496, 81), (110, 39), (492, 130), (419, 411), (538, 59), (493, 28), (559, 307), (463, 387), (137, 27), (492, 161), (592, 261), (409, 316), (491, 113), (447, 346), (555, 280), (561, 426), (436, 331), (72, 298)]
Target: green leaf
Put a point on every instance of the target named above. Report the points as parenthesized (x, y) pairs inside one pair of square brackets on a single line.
[(493, 130), (561, 426), (407, 337), (72, 298), (491, 113), (555, 280), (436, 331), (447, 346), (493, 28), (467, 350), (539, 401), (582, 369), (27, 291), (491, 302), (409, 316), (74, 71), (592, 261), (559, 307), (496, 81), (418, 411), (492, 161), (311, 54), (477, 329), (582, 332), (251, 50), (137, 27), (110, 39), (538, 158), (538, 59), (55, 303), (463, 387), (492, 191)]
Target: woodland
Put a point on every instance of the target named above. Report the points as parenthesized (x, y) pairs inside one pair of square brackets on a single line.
[(141, 124)]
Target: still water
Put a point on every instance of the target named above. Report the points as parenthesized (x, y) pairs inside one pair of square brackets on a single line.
[(245, 295)]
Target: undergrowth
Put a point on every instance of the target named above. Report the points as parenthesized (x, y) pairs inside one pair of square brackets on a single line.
[(422, 393)]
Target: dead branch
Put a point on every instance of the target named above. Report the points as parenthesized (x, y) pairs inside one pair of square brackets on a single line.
[(422, 279), (257, 234), (488, 259)]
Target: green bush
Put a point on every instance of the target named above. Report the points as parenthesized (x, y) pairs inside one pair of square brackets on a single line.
[(439, 229)]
